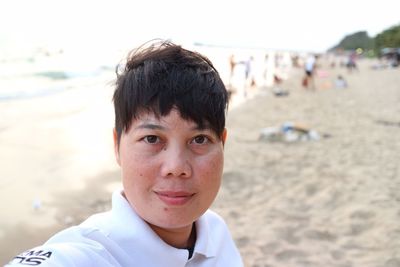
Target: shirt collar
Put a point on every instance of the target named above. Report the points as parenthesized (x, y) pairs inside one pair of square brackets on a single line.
[(204, 243)]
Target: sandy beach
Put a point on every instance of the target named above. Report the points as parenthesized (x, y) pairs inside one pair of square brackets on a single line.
[(332, 202), (328, 202)]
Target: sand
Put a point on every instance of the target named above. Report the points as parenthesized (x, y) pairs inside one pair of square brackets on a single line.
[(328, 202), (332, 202)]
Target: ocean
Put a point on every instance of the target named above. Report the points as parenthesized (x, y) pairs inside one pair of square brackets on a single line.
[(44, 72), (41, 75)]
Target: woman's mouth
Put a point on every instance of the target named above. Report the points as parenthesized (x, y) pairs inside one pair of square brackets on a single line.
[(174, 198)]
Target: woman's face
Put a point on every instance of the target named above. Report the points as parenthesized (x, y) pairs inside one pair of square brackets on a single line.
[(171, 169)]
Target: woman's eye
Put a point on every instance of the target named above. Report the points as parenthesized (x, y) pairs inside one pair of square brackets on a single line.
[(200, 139), (151, 139)]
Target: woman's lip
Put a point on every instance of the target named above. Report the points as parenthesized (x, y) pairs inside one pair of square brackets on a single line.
[(174, 198)]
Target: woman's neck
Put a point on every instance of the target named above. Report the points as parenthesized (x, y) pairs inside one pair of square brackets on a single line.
[(184, 237)]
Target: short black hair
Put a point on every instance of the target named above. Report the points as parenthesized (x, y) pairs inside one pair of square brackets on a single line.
[(162, 75)]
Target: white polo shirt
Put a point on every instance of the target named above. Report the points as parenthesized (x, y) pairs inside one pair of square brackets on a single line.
[(121, 238)]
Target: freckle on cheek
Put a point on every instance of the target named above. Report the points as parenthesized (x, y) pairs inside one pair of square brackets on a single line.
[(165, 209)]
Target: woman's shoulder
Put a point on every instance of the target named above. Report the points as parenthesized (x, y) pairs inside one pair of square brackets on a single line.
[(75, 246)]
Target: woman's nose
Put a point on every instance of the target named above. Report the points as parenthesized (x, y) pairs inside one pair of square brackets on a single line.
[(176, 162)]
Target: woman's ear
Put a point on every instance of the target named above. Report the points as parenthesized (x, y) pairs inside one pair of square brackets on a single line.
[(224, 135), (116, 146)]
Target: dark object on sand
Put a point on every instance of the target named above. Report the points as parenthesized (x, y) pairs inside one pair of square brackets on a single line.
[(388, 123)]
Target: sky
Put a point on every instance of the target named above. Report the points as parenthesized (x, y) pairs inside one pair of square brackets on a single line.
[(307, 25)]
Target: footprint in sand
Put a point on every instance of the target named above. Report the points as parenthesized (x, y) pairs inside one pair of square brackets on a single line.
[(290, 254), (361, 222), (363, 215)]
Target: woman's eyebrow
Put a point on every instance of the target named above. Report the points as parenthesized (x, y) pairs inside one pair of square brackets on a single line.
[(202, 129)]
